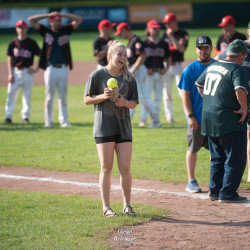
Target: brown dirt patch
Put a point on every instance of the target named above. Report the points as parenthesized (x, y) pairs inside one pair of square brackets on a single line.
[(194, 223), (78, 75)]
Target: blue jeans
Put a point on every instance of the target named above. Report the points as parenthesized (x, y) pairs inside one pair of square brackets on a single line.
[(228, 161)]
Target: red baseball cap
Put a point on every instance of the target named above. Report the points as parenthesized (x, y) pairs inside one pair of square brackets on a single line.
[(56, 17), (105, 23), (121, 27), (170, 17), (153, 24), (226, 20), (21, 23)]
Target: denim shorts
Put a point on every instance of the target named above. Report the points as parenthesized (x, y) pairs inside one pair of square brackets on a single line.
[(112, 138), (196, 140)]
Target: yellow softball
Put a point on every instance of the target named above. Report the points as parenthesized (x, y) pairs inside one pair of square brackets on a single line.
[(112, 83)]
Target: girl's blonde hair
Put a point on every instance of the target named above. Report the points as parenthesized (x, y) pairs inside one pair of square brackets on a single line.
[(115, 45)]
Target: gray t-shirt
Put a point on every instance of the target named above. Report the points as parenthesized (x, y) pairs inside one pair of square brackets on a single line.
[(109, 119)]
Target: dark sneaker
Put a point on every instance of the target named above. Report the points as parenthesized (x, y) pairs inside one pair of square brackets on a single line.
[(26, 121), (193, 187), (213, 197), (7, 121), (238, 199)]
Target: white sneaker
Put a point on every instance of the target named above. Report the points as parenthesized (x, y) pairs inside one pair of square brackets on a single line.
[(170, 118), (48, 125), (65, 125), (142, 124)]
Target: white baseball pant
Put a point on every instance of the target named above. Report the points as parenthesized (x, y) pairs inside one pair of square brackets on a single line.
[(174, 73), (26, 80), (140, 76), (56, 78), (152, 83)]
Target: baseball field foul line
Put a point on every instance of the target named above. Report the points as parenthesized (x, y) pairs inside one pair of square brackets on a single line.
[(113, 187)]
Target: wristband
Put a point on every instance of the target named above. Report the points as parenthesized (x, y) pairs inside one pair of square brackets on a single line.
[(190, 115)]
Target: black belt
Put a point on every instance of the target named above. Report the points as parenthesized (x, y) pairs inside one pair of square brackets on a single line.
[(156, 70), (58, 65), (20, 68), (174, 63)]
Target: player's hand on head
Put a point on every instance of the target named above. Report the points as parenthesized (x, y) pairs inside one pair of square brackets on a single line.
[(54, 13)]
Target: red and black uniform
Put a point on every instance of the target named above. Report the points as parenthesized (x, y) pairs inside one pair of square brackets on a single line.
[(135, 48), (50, 37), (22, 55), (175, 54), (156, 54), (99, 45), (23, 52), (224, 40)]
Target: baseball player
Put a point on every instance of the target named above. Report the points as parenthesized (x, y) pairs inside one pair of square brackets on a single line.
[(224, 90), (55, 58), (20, 52), (246, 67), (102, 42), (136, 58), (157, 51), (230, 34), (177, 40)]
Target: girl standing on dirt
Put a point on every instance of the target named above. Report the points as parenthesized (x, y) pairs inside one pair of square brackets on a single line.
[(112, 126)]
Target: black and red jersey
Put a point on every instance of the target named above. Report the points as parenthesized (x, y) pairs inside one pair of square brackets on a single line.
[(99, 45), (156, 53), (23, 52), (49, 38), (182, 35), (224, 40), (135, 48)]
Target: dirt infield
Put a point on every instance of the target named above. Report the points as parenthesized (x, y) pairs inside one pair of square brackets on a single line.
[(78, 75), (194, 223)]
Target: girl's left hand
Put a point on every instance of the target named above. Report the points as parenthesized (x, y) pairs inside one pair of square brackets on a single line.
[(120, 102)]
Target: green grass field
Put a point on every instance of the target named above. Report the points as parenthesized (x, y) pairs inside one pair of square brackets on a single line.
[(81, 42), (46, 221)]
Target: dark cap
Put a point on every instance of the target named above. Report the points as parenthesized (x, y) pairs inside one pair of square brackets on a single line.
[(226, 20), (121, 27), (237, 46), (203, 41)]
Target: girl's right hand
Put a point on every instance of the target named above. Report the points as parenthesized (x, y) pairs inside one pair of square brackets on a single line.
[(108, 93)]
